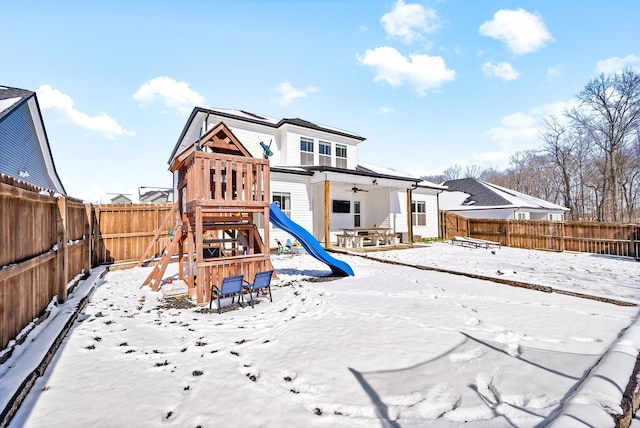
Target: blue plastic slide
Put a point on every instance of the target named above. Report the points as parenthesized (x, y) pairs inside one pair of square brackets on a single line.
[(311, 244)]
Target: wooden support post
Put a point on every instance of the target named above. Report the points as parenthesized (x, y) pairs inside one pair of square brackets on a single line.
[(203, 285), (327, 214), (267, 214), (62, 259), (409, 218)]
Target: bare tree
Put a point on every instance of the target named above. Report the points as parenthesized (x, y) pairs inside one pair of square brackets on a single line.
[(472, 171), (560, 144), (609, 112), (453, 172)]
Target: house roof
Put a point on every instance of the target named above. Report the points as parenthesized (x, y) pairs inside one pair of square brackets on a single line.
[(362, 170), (472, 194), (10, 98), (12, 101), (189, 132)]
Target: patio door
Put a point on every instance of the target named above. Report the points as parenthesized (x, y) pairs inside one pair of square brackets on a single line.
[(356, 214)]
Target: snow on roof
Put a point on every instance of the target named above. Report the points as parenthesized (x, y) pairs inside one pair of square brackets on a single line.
[(524, 200), (8, 103), (242, 114), (382, 170), (480, 194)]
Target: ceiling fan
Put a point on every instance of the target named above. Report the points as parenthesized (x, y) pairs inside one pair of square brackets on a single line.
[(356, 189)]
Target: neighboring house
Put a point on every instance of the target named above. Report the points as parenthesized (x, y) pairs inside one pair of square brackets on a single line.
[(24, 145), (309, 162), (478, 199), (156, 197), (121, 199)]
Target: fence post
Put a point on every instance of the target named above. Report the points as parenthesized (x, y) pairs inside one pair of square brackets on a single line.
[(96, 236), (62, 259), (562, 236), (507, 232), (634, 243), (88, 231)]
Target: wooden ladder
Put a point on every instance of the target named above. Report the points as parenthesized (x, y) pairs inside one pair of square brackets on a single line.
[(173, 213), (155, 277)]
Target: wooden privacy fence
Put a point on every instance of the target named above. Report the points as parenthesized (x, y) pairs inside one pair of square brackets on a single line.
[(44, 244), (46, 241), (588, 237), (123, 231)]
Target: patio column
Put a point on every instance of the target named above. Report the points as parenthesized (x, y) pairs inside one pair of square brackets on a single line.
[(327, 199), (409, 217)]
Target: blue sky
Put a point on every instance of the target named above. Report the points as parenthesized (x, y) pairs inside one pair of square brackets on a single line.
[(428, 83)]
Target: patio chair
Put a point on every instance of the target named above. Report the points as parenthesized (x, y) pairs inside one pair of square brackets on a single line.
[(230, 286), (262, 281)]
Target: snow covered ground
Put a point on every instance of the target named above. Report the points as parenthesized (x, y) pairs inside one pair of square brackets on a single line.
[(391, 346)]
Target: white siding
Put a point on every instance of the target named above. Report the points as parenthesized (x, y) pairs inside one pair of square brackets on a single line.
[(301, 204), (377, 207), (431, 205), (399, 220), (250, 135)]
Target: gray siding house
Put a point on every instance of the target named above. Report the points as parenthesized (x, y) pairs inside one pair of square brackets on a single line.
[(24, 147), (473, 198)]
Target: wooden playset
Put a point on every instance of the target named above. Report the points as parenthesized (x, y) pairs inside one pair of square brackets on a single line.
[(222, 191)]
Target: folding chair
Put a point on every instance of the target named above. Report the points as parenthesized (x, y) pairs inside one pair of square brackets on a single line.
[(230, 286), (262, 280), (282, 249)]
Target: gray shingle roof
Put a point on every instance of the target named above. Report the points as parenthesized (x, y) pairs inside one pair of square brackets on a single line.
[(479, 194)]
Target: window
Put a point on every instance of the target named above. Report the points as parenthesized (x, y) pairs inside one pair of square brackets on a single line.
[(341, 206), (356, 213), (283, 201), (418, 213), (341, 156), (521, 216), (325, 153), (306, 151)]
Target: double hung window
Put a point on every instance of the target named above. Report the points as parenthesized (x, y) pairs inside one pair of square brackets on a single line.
[(306, 151), (341, 156), (325, 153), (418, 213)]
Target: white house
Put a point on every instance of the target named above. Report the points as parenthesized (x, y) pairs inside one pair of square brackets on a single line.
[(24, 145), (311, 164), (473, 198)]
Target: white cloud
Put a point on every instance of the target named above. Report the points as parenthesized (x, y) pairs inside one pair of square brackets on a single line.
[(555, 72), (385, 110), (502, 70), (520, 131), (287, 93), (102, 123), (175, 95), (423, 72), (523, 32), (617, 65), (409, 22)]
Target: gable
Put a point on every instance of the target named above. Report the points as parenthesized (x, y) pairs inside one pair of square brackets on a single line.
[(26, 155), (220, 139), (479, 195)]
